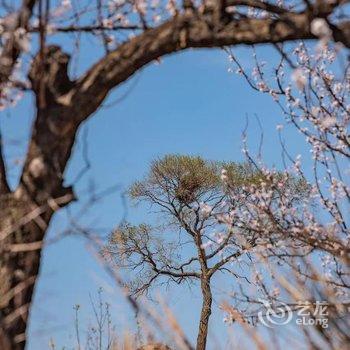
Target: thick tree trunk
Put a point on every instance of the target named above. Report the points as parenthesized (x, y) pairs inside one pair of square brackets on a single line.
[(20, 253), (25, 214), (205, 315)]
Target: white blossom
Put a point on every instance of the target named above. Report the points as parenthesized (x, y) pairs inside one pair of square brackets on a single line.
[(299, 78), (320, 28), (224, 176)]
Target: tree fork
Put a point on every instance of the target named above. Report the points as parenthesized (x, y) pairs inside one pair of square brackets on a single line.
[(25, 214)]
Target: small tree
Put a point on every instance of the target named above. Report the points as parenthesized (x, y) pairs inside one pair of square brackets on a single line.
[(311, 86), (191, 196)]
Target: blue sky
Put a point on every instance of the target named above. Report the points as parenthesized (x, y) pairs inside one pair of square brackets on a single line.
[(188, 104)]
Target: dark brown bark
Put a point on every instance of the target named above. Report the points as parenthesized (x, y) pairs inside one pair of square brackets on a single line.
[(18, 270), (26, 213), (23, 224), (205, 314)]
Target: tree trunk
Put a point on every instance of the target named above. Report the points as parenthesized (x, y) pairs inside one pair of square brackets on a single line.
[(19, 267), (25, 214), (205, 314), (23, 224)]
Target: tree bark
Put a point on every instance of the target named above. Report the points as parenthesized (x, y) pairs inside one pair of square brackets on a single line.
[(19, 268), (205, 314), (25, 214)]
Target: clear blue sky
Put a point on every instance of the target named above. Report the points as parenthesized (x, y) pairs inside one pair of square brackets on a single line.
[(188, 104)]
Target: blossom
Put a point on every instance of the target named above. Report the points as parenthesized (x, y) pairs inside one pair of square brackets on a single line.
[(67, 4), (224, 176), (206, 245), (320, 28), (107, 23), (205, 209), (299, 78), (230, 9), (328, 122), (262, 86)]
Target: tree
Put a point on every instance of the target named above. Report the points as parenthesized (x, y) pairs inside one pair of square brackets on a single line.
[(64, 103), (315, 101), (189, 244)]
